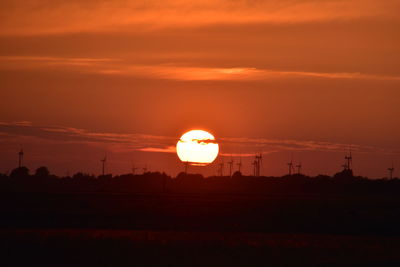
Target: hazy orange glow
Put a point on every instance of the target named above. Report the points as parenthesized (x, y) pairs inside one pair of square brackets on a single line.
[(281, 77), (197, 147)]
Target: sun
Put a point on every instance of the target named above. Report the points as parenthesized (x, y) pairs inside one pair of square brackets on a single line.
[(197, 147)]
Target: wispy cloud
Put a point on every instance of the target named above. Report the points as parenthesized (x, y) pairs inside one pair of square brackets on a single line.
[(234, 73), (115, 66), (66, 135), (43, 16), (118, 142), (263, 145), (44, 62), (170, 149)]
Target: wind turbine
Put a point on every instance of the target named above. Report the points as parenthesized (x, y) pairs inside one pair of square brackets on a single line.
[(391, 170), (103, 161), (255, 167), (239, 164), (20, 157), (133, 168), (230, 163), (299, 168), (145, 169), (344, 166), (349, 160), (186, 166), (290, 165), (221, 168), (259, 163)]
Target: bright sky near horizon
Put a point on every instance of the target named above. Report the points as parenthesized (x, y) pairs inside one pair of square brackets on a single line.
[(291, 77)]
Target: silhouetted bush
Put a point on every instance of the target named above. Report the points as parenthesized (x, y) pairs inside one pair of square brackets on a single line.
[(42, 172), (21, 172), (156, 182)]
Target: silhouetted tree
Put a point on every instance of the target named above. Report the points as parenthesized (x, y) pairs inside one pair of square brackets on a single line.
[(42, 172), (105, 177), (186, 177), (344, 175), (237, 174), (82, 176), (21, 172)]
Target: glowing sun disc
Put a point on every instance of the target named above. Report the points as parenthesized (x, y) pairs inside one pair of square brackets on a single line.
[(197, 147)]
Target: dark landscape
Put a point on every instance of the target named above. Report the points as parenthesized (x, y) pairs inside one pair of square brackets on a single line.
[(153, 219)]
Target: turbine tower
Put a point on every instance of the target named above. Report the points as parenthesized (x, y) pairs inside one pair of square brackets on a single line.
[(290, 165), (230, 163), (20, 157), (344, 166), (391, 170), (133, 168), (186, 166), (255, 167), (103, 161), (257, 164), (221, 168), (349, 161), (144, 169), (299, 168), (239, 164)]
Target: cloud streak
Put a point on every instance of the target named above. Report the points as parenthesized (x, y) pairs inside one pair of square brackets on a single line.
[(117, 142), (115, 66), (35, 17), (66, 135)]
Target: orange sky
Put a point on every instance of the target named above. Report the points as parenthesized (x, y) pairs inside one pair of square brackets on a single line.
[(129, 77)]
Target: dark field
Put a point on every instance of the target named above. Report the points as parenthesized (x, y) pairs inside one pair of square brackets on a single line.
[(104, 229), (150, 248)]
